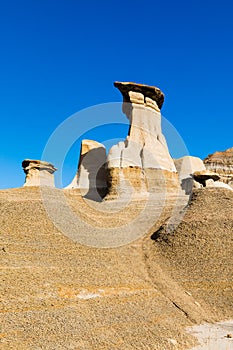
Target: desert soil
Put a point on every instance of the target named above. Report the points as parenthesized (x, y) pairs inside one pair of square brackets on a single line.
[(59, 294)]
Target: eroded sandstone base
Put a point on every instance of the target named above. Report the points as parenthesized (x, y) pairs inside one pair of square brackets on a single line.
[(135, 181)]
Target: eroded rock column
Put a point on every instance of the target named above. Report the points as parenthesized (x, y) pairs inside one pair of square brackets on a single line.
[(142, 162), (91, 174), (38, 173)]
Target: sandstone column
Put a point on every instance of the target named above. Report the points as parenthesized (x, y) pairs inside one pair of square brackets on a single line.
[(142, 162), (38, 173), (91, 173)]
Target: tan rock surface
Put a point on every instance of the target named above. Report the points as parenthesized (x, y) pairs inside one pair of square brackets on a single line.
[(38, 173)]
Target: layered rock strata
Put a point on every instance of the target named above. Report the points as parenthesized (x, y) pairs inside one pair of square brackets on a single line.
[(38, 173), (142, 162), (91, 177), (221, 163)]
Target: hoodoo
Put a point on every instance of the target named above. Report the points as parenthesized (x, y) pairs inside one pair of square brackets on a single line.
[(91, 174), (38, 173), (142, 162)]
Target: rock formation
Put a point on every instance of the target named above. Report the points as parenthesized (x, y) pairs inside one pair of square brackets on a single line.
[(142, 162), (221, 163), (207, 178), (91, 173), (38, 173), (186, 166), (204, 176), (193, 174)]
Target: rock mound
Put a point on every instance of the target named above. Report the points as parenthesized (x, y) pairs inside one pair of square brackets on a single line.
[(186, 166), (198, 253)]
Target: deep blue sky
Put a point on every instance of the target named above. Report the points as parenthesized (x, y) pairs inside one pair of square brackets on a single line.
[(58, 57)]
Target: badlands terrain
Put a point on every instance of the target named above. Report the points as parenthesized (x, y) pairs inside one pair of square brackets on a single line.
[(133, 252), (58, 294)]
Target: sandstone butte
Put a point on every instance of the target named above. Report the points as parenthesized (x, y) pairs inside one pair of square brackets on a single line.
[(57, 293)]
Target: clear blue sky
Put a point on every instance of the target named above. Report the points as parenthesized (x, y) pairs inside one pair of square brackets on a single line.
[(58, 57)]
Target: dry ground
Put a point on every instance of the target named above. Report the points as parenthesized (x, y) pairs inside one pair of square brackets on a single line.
[(59, 294)]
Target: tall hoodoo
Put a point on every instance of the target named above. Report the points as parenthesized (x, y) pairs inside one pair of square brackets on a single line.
[(38, 173), (143, 159)]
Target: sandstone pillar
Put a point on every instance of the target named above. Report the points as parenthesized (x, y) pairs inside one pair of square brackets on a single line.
[(91, 174), (38, 173), (142, 162)]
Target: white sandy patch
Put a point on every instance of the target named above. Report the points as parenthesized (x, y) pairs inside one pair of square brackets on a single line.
[(213, 336), (90, 293), (87, 295)]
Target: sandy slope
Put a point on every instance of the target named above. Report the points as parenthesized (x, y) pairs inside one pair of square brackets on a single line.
[(58, 294), (198, 254)]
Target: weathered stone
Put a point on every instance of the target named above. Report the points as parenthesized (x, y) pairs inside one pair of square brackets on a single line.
[(211, 183), (152, 92), (221, 163), (144, 152), (186, 166), (38, 173), (91, 176), (205, 175)]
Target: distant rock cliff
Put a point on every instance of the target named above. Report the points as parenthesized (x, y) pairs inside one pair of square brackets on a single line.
[(221, 163)]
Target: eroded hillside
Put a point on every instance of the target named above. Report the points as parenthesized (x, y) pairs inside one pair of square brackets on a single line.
[(58, 294)]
